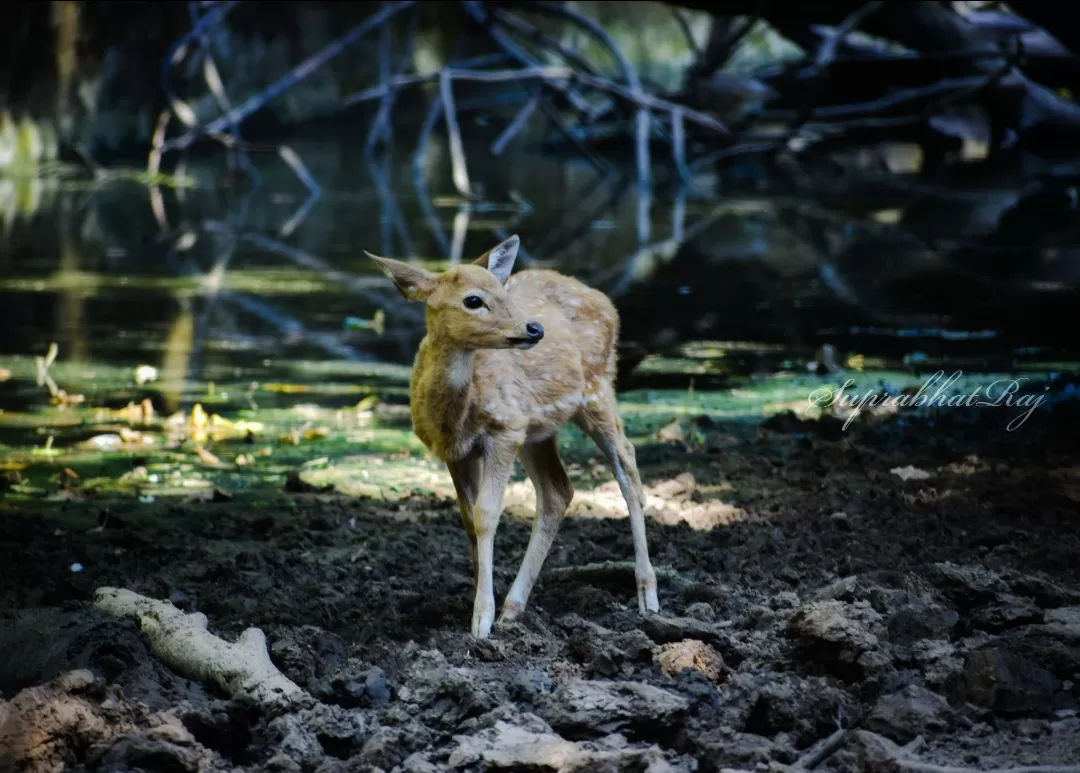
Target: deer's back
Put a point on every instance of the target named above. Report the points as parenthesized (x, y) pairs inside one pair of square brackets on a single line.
[(574, 362)]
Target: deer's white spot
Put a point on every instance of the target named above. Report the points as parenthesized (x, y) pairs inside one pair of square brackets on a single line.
[(459, 374)]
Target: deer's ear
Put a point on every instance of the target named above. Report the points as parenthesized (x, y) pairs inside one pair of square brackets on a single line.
[(499, 260), (414, 283)]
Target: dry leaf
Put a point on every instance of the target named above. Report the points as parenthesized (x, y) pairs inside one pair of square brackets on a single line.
[(206, 457), (671, 433)]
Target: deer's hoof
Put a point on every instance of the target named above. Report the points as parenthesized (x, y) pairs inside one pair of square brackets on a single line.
[(510, 612), (648, 603), (483, 617)]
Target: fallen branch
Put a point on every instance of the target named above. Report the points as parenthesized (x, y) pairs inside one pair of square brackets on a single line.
[(457, 150), (235, 116), (380, 125), (241, 668), (823, 59)]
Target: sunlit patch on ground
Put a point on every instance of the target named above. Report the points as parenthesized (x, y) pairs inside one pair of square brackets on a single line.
[(79, 431)]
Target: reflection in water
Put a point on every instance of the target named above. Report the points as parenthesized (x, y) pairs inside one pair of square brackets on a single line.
[(240, 279)]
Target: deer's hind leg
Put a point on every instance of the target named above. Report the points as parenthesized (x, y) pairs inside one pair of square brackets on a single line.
[(600, 420), (553, 494)]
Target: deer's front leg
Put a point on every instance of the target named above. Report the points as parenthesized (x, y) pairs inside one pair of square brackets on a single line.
[(498, 464), (466, 476)]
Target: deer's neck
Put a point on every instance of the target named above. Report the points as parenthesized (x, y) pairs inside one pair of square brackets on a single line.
[(450, 390)]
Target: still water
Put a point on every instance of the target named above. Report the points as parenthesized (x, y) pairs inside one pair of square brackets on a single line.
[(745, 272)]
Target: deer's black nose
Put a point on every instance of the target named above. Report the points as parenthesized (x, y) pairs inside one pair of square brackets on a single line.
[(534, 330)]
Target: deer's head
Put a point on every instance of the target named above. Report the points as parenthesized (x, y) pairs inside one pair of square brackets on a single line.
[(468, 306)]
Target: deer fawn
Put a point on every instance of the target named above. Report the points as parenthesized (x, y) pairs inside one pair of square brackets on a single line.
[(505, 363)]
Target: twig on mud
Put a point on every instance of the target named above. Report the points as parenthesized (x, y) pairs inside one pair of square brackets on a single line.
[(878, 754), (822, 750), (242, 668), (614, 571)]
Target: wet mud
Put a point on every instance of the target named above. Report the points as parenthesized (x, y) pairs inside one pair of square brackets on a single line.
[(829, 599)]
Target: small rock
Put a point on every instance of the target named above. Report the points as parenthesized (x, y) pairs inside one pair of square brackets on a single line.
[(1045, 593), (843, 589), (1007, 612), (681, 485), (690, 654), (668, 630), (787, 599), (140, 752), (921, 619), (835, 633), (376, 687), (1009, 684), (581, 708), (703, 611), (604, 652), (908, 713), (967, 586), (1063, 616), (773, 704), (1053, 646), (388, 746), (938, 661), (532, 681)]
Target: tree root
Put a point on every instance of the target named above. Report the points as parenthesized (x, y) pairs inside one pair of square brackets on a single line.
[(182, 642)]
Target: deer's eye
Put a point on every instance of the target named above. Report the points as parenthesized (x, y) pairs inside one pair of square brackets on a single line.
[(473, 302)]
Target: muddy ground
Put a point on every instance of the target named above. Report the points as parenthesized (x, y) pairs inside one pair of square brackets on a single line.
[(941, 613)]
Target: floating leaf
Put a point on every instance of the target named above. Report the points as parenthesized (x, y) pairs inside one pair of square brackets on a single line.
[(206, 457), (367, 404), (144, 374)]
